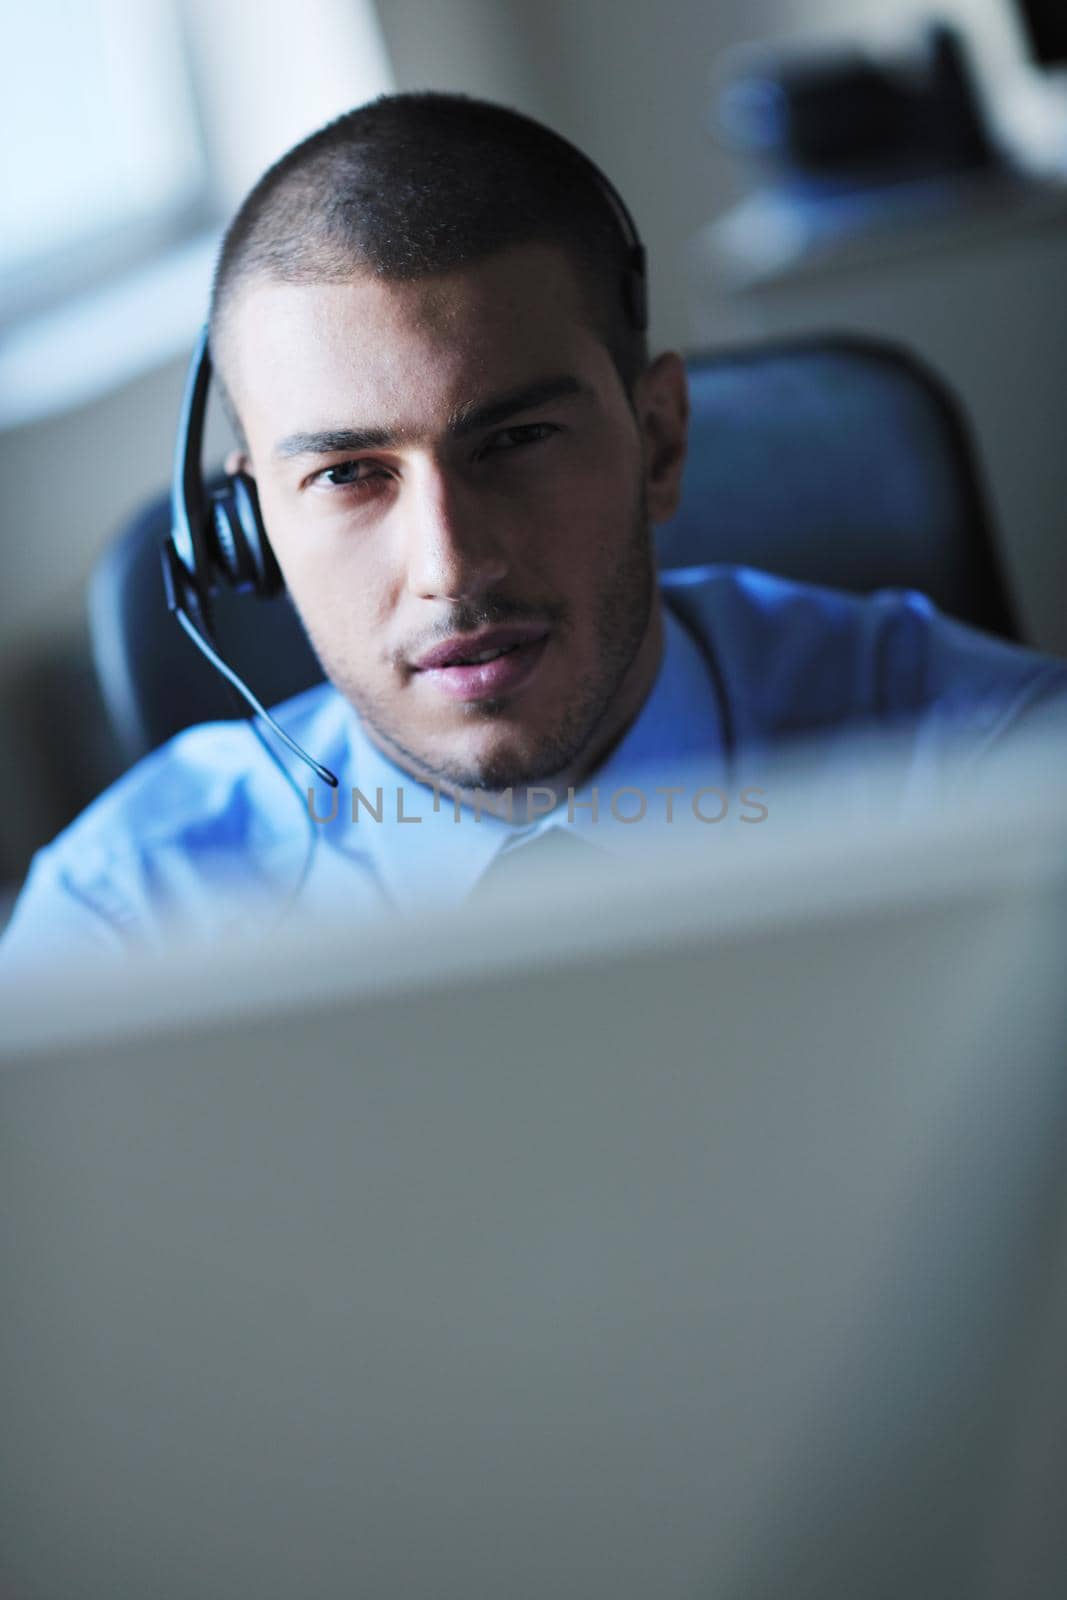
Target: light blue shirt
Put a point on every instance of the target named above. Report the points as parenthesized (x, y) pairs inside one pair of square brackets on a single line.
[(205, 835)]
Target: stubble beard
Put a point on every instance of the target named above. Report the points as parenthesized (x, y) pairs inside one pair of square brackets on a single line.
[(621, 623)]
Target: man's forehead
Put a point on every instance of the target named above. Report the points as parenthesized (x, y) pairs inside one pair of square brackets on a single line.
[(526, 287), (410, 350)]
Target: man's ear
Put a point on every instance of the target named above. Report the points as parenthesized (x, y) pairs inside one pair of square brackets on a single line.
[(236, 461), (661, 403)]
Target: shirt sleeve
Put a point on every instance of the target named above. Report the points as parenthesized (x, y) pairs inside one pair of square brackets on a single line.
[(55, 921), (972, 684)]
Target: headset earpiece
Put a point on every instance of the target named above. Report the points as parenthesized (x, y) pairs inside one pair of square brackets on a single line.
[(238, 547)]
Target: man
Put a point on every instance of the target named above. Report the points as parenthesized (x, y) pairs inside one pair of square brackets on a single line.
[(423, 322)]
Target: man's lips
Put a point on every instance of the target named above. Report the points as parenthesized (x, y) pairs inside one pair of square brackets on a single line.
[(462, 649), (451, 669)]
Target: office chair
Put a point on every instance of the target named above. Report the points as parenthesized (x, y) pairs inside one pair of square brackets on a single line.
[(835, 461)]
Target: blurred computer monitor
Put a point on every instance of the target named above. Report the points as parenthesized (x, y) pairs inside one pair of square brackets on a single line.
[(704, 1236)]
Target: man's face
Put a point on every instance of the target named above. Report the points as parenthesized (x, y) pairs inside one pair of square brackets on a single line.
[(449, 467)]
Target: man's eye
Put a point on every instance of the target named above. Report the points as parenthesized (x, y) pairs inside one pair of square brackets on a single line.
[(349, 474), (511, 438)]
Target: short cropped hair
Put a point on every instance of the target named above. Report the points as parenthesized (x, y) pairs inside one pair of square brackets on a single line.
[(411, 185)]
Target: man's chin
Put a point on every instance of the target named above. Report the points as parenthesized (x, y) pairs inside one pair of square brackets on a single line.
[(493, 774), (488, 759)]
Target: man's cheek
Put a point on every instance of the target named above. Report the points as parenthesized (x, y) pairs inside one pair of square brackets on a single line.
[(593, 502)]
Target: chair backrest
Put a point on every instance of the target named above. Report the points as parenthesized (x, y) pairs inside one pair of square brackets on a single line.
[(840, 461), (836, 461)]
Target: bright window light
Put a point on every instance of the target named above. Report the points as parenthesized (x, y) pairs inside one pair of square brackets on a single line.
[(131, 131), (98, 123)]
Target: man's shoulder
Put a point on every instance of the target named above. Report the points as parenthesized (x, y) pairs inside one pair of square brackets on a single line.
[(747, 606), (214, 778), (187, 833), (797, 656)]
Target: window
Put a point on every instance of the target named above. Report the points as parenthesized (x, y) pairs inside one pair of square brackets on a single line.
[(104, 158), (132, 129)]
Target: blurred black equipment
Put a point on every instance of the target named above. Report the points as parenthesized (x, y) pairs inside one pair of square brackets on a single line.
[(1045, 28), (851, 117)]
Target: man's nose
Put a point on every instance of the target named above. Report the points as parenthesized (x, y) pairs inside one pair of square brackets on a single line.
[(454, 551)]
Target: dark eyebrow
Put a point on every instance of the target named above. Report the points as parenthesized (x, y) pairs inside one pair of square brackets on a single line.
[(472, 418), (467, 420), (330, 440)]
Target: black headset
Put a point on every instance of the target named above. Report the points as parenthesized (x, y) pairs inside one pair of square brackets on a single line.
[(217, 536)]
